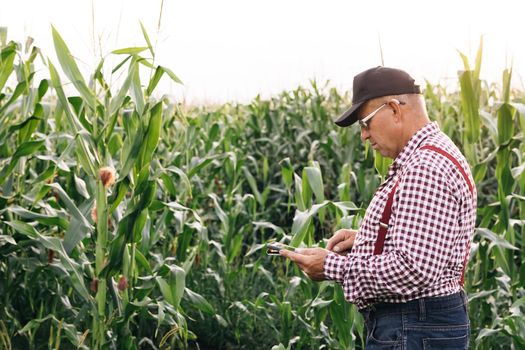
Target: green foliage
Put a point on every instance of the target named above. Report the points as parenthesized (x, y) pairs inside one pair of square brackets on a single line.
[(172, 254)]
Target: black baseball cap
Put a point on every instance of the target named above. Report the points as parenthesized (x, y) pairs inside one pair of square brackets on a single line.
[(377, 82)]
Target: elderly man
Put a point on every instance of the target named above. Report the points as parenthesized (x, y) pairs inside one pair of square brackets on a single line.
[(404, 267)]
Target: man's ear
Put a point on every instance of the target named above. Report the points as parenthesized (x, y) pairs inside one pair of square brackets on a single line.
[(396, 110)]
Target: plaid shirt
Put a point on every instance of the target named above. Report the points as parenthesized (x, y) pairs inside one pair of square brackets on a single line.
[(433, 217)]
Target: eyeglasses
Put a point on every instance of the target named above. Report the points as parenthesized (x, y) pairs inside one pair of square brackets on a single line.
[(364, 123)]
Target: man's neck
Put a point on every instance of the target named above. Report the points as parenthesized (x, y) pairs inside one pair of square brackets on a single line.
[(410, 131)]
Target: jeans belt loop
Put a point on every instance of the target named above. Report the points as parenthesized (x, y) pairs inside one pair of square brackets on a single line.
[(422, 310)]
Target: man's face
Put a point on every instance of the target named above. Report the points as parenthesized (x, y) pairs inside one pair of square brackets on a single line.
[(380, 127)]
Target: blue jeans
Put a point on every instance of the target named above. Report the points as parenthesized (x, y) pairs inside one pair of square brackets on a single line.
[(426, 323)]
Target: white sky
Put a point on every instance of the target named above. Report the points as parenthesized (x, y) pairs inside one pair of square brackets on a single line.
[(234, 49)]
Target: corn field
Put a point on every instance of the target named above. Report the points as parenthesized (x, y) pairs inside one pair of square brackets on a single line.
[(129, 221)]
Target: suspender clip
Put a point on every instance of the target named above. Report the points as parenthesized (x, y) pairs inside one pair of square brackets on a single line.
[(382, 224)]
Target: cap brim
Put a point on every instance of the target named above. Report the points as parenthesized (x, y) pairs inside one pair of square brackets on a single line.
[(349, 117)]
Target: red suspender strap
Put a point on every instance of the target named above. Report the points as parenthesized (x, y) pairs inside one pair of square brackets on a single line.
[(385, 218), (383, 224)]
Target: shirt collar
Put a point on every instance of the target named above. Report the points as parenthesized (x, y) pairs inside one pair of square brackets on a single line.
[(413, 143)]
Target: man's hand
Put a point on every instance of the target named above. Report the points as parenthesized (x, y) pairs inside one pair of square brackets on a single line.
[(310, 260), (342, 241)]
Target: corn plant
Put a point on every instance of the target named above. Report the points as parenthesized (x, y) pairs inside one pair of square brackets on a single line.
[(137, 222), (89, 210)]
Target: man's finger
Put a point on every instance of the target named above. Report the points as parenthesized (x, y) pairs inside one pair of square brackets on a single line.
[(342, 240), (344, 245), (295, 257), (305, 251), (332, 242), (338, 237)]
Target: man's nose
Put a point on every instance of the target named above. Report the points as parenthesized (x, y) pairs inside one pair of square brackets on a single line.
[(364, 134)]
